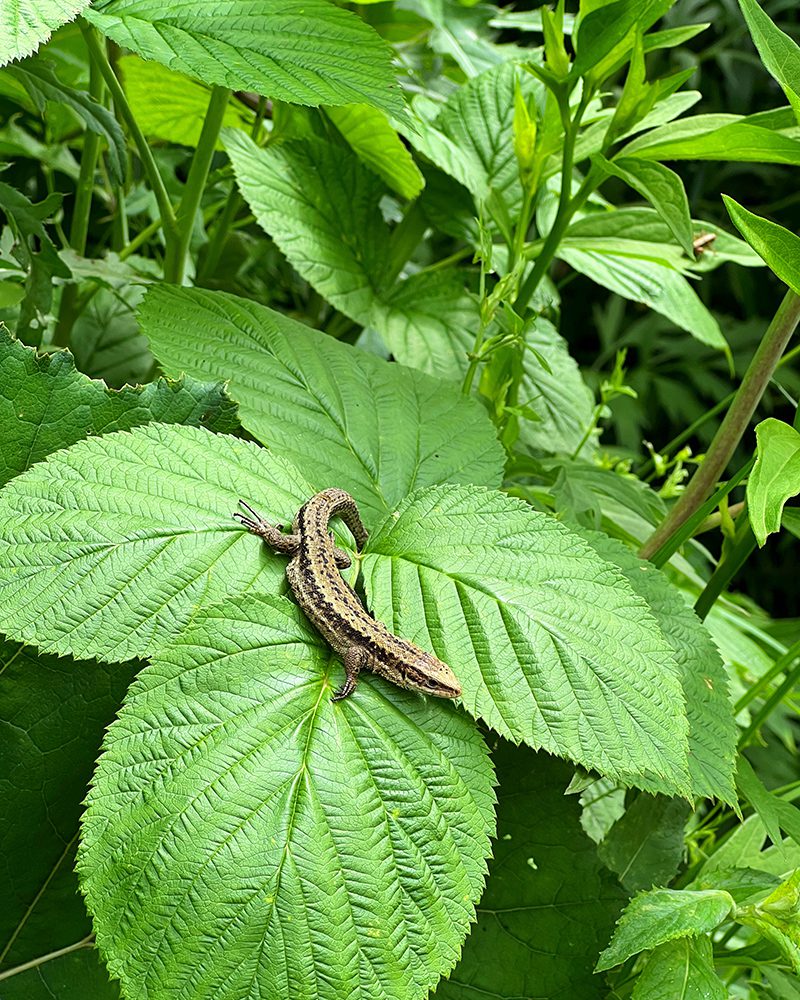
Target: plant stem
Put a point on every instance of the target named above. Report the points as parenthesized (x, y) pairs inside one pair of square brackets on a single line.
[(733, 560), (567, 207), (687, 530), (86, 942), (179, 239), (777, 668), (79, 228), (733, 427), (98, 56), (775, 698)]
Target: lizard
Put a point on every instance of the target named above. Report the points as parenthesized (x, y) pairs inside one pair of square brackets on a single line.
[(332, 605)]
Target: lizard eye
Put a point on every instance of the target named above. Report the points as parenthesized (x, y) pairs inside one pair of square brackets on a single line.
[(431, 683)]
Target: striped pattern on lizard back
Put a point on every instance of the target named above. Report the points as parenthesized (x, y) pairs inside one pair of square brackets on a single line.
[(334, 607)]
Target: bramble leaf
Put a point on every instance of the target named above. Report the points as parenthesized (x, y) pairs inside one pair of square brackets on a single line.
[(314, 53), (245, 837), (345, 417), (24, 25), (549, 642), (110, 546), (47, 404)]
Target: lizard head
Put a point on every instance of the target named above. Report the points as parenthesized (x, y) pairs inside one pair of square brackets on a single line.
[(431, 676)]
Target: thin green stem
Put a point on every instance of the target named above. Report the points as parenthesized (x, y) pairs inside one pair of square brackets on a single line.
[(87, 942), (178, 240), (673, 542), (567, 207), (733, 427), (140, 238), (79, 229), (777, 668), (98, 56), (777, 696), (587, 433), (732, 561)]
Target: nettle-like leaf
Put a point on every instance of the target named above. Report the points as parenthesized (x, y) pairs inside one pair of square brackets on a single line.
[(712, 729), (25, 24), (344, 416), (683, 968), (662, 915), (110, 546), (550, 644), (313, 53), (775, 477), (246, 837), (549, 904), (47, 404), (645, 845)]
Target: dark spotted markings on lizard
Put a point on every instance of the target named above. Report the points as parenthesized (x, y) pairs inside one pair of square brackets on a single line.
[(333, 606)]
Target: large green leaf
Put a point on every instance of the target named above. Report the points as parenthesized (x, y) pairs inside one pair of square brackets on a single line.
[(549, 905), (108, 547), (680, 970), (712, 729), (25, 25), (334, 410), (778, 247), (245, 837), (53, 713), (376, 143), (168, 105), (313, 53), (779, 53), (662, 915), (46, 404), (775, 477), (319, 203), (550, 644)]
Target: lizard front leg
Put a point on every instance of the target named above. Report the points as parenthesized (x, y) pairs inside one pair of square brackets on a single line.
[(271, 533), (354, 659)]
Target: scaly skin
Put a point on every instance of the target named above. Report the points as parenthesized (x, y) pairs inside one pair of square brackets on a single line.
[(333, 606)]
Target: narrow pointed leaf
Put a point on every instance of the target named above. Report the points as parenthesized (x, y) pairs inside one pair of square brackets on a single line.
[(247, 838), (779, 53), (550, 644), (778, 247)]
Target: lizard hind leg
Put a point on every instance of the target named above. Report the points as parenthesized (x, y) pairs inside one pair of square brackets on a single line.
[(354, 659)]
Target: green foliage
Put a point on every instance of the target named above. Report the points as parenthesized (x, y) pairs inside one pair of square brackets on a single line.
[(775, 477), (473, 266), (317, 54), (23, 27), (322, 882)]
